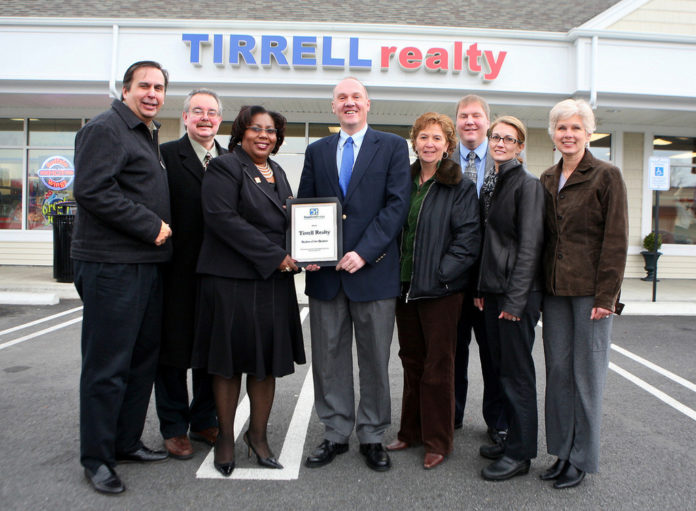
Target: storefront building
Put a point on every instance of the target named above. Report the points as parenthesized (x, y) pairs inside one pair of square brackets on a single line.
[(633, 60)]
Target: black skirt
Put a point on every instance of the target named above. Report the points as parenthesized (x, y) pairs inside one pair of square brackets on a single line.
[(248, 326)]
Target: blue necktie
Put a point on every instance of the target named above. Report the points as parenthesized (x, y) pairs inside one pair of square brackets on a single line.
[(346, 165)]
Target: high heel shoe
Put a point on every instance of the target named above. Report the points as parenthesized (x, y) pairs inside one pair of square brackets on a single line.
[(224, 468), (269, 462)]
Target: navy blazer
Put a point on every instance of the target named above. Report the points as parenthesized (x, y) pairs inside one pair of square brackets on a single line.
[(374, 210), (244, 219)]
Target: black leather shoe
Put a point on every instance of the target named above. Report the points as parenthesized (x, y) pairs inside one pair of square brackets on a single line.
[(105, 480), (325, 453), (376, 457), (570, 477), (142, 455), (492, 452), (554, 470), (505, 468)]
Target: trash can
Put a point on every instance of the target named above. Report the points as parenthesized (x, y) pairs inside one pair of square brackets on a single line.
[(63, 220)]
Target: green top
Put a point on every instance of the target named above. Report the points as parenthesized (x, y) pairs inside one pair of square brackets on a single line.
[(418, 193)]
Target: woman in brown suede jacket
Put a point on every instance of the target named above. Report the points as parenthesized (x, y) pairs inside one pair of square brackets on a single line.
[(586, 239)]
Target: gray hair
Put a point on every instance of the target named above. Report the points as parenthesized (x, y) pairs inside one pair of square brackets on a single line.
[(568, 108), (209, 92)]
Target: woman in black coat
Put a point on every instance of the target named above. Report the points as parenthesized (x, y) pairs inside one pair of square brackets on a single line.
[(510, 290), (248, 318)]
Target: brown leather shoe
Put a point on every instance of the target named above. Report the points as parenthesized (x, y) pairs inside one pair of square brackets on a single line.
[(179, 447), (432, 460), (397, 445), (207, 436)]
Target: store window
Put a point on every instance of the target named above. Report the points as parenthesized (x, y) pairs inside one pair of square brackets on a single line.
[(600, 146), (295, 139), (677, 214), (11, 188), (36, 162)]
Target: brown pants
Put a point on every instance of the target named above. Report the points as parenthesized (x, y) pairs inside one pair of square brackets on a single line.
[(427, 342)]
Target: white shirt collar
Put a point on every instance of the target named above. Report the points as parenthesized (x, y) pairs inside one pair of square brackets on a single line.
[(357, 138)]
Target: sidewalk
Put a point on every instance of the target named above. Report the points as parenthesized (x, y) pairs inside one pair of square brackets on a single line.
[(34, 285)]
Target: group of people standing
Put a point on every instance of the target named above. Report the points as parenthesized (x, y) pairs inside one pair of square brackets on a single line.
[(509, 245), (463, 238)]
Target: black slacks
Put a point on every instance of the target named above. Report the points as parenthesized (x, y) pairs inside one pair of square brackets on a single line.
[(493, 397), (511, 343), (172, 401), (121, 327)]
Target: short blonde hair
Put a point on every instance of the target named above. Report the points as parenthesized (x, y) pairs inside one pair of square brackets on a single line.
[(515, 123), (474, 98), (442, 120), (568, 108)]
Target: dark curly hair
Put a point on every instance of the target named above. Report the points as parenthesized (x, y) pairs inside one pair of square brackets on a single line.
[(243, 121)]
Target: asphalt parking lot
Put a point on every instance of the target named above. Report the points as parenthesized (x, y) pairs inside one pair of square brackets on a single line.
[(647, 459)]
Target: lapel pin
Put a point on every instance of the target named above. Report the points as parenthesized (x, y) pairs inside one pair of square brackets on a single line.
[(258, 180)]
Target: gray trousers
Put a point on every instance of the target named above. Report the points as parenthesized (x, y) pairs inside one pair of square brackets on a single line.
[(577, 357), (332, 324)]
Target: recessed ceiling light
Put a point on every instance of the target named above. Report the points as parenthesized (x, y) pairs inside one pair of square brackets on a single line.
[(661, 141)]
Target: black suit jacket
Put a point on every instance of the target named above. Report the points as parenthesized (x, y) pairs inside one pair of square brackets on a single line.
[(244, 219), (185, 173)]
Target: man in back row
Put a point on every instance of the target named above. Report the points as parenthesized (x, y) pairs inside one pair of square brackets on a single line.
[(186, 160), (472, 122)]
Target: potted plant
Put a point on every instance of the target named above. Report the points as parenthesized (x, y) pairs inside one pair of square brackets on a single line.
[(652, 245)]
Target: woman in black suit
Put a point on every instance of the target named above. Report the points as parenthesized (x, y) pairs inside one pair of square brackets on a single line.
[(248, 319)]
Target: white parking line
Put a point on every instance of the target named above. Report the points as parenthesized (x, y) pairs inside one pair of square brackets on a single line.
[(40, 332), (649, 388), (655, 392), (293, 446), (42, 320), (664, 372)]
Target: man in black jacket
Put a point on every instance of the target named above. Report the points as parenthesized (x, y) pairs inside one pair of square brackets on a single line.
[(186, 160), (119, 243)]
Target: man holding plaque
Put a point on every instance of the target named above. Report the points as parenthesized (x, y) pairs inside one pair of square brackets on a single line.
[(368, 171)]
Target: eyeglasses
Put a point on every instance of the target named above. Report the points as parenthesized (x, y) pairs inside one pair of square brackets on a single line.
[(259, 129), (199, 112), (507, 139)]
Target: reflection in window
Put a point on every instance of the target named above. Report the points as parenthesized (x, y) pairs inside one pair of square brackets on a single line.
[(294, 139), (11, 132), (677, 213), (600, 146), (10, 188), (49, 181), (53, 132), (317, 131)]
